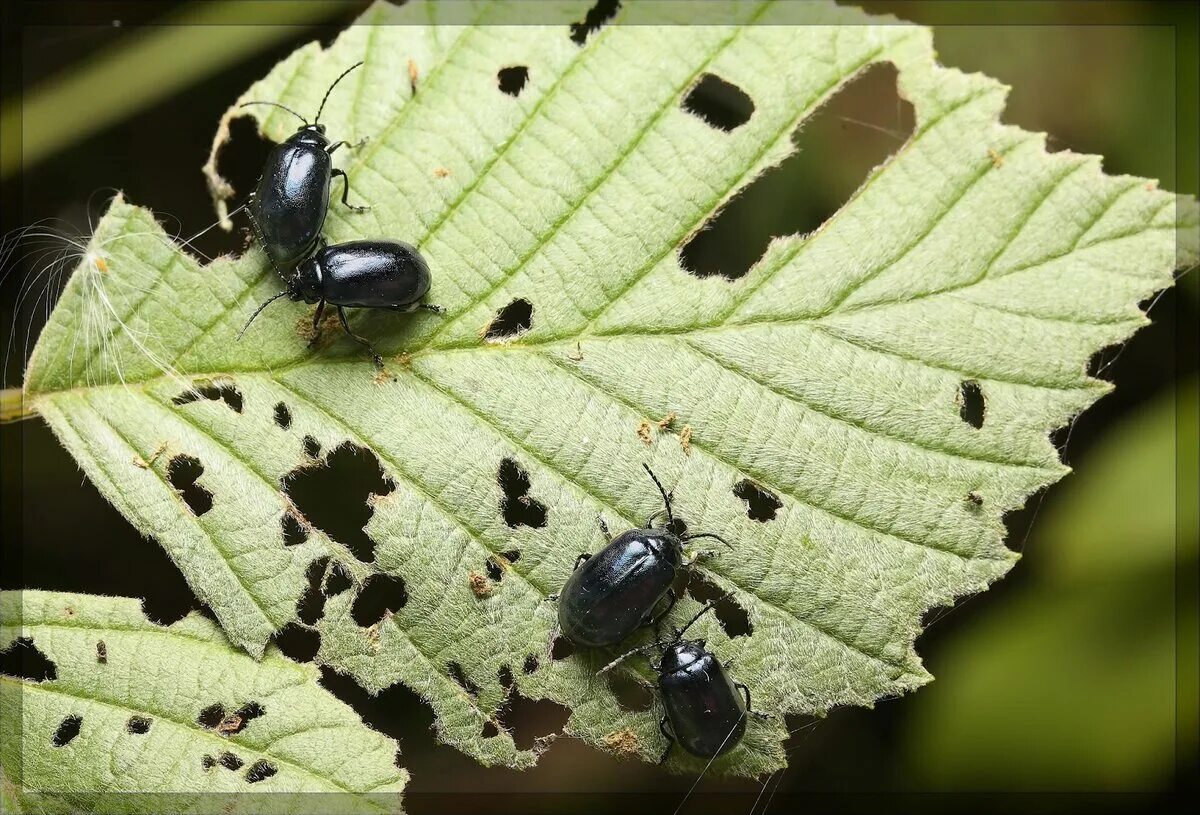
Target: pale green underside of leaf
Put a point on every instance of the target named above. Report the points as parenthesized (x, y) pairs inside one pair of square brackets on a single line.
[(829, 374), (323, 754)]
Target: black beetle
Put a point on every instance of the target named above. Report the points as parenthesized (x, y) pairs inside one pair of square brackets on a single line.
[(614, 592), (288, 207), (705, 708), (358, 274)]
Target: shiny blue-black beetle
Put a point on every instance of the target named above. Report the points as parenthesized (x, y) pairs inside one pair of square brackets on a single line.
[(705, 708), (614, 592), (290, 202)]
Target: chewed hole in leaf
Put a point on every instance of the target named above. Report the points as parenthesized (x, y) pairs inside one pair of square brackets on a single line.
[(530, 664), (335, 498), (260, 771), (494, 569), (25, 660), (513, 319), (489, 730), (231, 762), (517, 506), (721, 104), (167, 603), (732, 617), (311, 606), (594, 20), (972, 406), (512, 79), (338, 580), (182, 472), (67, 730), (836, 148), (383, 593), (458, 675), (761, 503), (236, 722), (561, 648), (297, 642), (512, 555), (283, 416), (213, 392), (505, 676), (529, 720), (294, 532), (207, 762), (312, 447), (211, 716), (138, 725), (241, 157), (631, 693)]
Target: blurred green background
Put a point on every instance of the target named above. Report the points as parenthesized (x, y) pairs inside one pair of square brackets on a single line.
[(1077, 674)]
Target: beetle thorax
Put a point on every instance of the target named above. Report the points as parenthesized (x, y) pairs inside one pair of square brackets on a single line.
[(664, 543)]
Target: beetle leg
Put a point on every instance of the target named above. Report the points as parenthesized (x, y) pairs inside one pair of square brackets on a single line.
[(329, 150), (550, 598), (750, 711), (365, 343), (579, 560), (316, 334), (346, 191), (432, 307), (604, 529), (670, 605), (662, 728)]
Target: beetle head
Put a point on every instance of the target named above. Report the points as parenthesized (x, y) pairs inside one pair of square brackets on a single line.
[(304, 283), (311, 134), (682, 654)]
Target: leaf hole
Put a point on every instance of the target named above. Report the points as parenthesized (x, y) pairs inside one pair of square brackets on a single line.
[(241, 157), (530, 720), (138, 725), (166, 604), (518, 508), (512, 555), (297, 642), (513, 319), (505, 676), (837, 147), (380, 595), (561, 648), (207, 762), (336, 498), (311, 606), (230, 762), (312, 447), (213, 392), (530, 665), (732, 617), (294, 532), (494, 570), (260, 771), (720, 103), (512, 79), (489, 729), (67, 730), (459, 675), (761, 504), (630, 692), (283, 416), (594, 20), (338, 580), (211, 716), (25, 660), (182, 472), (972, 406), (236, 722)]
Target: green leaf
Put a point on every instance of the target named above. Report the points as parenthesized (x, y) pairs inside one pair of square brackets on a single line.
[(122, 720), (1074, 678), (831, 375)]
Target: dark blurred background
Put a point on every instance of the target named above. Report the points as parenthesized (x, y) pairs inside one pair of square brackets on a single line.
[(1076, 674)]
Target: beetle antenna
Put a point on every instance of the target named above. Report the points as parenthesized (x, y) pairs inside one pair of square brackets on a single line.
[(707, 608), (331, 87), (258, 311), (712, 535), (666, 495), (628, 654), (277, 105)]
